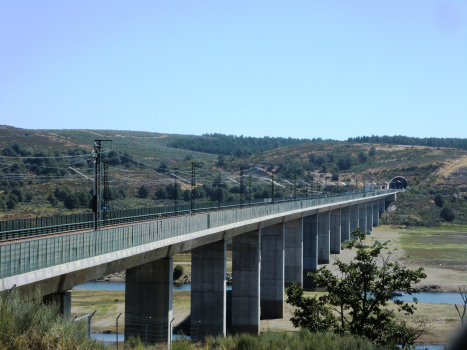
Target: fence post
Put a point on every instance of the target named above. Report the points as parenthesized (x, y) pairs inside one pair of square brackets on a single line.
[(116, 326)]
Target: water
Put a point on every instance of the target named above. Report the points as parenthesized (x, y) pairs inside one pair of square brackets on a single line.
[(121, 286), (436, 298), (112, 338)]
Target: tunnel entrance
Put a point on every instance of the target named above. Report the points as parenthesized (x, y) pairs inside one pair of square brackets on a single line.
[(398, 183)]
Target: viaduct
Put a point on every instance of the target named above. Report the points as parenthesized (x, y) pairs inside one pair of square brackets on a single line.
[(272, 245)]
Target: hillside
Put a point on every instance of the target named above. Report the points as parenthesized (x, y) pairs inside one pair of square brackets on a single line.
[(145, 159)]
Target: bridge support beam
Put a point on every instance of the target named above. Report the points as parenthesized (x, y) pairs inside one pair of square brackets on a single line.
[(208, 290), (376, 213), (324, 237), (63, 299), (272, 272), (148, 301), (335, 230), (293, 266), (369, 216), (354, 218), (362, 220), (345, 224), (246, 260), (310, 248)]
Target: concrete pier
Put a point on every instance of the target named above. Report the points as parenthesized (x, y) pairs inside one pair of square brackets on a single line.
[(354, 218), (208, 290), (272, 272), (246, 262), (362, 220), (335, 231), (310, 248), (376, 213), (148, 301), (381, 206), (345, 224), (293, 265), (369, 216), (324, 238), (63, 299)]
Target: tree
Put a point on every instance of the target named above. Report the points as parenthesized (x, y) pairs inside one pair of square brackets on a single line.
[(71, 201), (372, 151), (439, 200), (356, 301), (161, 193), (221, 160), (186, 195), (335, 177), (362, 157), (52, 199), (143, 191), (464, 299), (447, 214), (10, 204)]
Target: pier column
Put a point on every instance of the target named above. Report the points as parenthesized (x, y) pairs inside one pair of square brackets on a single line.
[(369, 216), (362, 220), (272, 272), (324, 237), (354, 218), (293, 266), (208, 290), (376, 213), (345, 224), (148, 301), (335, 230), (63, 299), (310, 248), (381, 206), (246, 262)]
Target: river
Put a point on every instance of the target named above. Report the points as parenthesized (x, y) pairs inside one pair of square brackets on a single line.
[(424, 297)]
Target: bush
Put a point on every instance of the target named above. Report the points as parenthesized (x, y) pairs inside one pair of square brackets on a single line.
[(447, 214), (335, 177), (29, 196), (71, 201), (161, 193), (178, 272), (143, 191), (52, 199), (10, 204), (439, 200)]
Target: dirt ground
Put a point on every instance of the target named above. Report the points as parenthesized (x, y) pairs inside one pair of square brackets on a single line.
[(441, 319)]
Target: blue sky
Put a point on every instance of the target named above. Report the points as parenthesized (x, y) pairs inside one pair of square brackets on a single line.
[(330, 69)]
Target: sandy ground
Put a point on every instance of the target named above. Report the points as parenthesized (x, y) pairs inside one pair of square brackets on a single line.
[(441, 319)]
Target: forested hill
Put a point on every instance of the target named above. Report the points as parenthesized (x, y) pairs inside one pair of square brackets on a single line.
[(239, 146), (413, 141)]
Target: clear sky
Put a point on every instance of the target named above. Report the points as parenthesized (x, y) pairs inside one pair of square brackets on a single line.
[(315, 68)]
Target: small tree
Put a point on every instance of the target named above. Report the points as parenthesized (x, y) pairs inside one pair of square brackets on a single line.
[(464, 299), (71, 201), (143, 191), (335, 177), (447, 214), (178, 272), (439, 200), (372, 151), (356, 301)]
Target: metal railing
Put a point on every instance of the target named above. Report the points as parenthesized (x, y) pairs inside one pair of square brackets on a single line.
[(14, 229), (29, 255)]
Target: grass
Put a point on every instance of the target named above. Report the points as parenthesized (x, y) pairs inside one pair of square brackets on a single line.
[(443, 247), (32, 325)]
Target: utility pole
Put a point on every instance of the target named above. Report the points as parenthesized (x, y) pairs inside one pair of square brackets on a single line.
[(218, 190), (249, 190), (105, 205), (176, 190), (272, 187), (96, 193), (241, 188), (295, 187), (193, 185)]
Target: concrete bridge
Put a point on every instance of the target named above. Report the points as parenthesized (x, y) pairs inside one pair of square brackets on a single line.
[(272, 245)]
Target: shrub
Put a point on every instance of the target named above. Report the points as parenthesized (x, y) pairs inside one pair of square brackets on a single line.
[(29, 196), (439, 200), (143, 191), (71, 201), (10, 204), (447, 214), (178, 272), (52, 199)]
